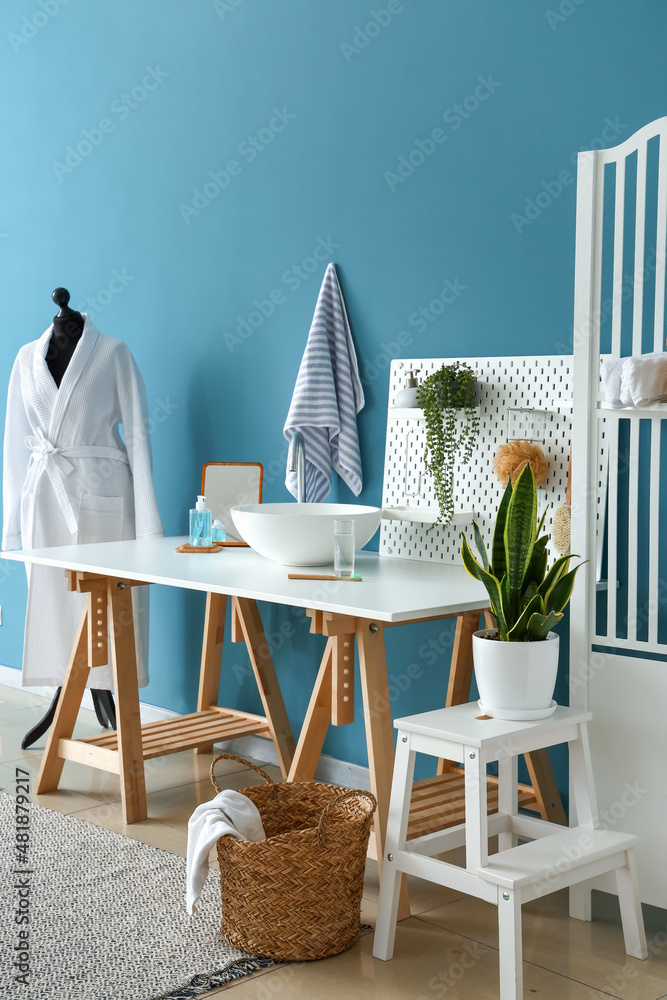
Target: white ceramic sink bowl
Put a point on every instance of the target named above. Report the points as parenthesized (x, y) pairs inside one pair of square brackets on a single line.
[(301, 534)]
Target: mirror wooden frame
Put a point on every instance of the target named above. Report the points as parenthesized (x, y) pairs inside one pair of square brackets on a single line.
[(253, 496)]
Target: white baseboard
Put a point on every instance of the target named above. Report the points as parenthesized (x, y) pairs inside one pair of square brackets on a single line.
[(11, 677), (329, 769), (256, 748)]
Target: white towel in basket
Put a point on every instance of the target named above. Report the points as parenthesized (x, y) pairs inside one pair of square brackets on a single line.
[(327, 398), (231, 814)]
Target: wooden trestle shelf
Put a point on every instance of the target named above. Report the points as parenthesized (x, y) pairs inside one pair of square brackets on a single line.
[(444, 795), (187, 732)]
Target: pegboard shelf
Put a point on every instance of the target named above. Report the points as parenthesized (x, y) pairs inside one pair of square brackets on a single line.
[(416, 412), (561, 404), (551, 406), (406, 412), (427, 515)]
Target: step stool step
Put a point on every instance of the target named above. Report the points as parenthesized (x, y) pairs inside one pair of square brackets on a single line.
[(549, 856)]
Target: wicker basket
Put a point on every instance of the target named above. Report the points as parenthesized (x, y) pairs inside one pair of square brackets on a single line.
[(297, 894)]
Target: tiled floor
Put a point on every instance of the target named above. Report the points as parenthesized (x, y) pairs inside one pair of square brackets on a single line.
[(448, 948)]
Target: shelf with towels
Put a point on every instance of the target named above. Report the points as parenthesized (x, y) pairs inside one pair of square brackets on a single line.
[(629, 411)]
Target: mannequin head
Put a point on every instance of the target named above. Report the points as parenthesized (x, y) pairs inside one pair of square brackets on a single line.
[(67, 324), (67, 330)]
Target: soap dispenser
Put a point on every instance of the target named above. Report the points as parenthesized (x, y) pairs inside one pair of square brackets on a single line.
[(200, 524), (408, 396), (219, 533)]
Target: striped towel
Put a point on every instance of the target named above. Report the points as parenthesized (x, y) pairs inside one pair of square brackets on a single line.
[(327, 397)]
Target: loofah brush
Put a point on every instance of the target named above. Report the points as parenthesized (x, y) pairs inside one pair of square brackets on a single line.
[(511, 458), (561, 525)]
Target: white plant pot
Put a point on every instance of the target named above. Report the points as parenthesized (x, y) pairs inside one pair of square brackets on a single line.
[(515, 680)]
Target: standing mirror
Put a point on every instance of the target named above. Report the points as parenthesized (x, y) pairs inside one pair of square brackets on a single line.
[(226, 484)]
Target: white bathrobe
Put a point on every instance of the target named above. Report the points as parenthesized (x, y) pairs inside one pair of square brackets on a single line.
[(68, 478)]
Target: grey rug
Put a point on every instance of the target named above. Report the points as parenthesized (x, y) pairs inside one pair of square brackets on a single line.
[(107, 916)]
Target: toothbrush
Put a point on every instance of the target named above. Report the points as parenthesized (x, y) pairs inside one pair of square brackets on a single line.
[(321, 576)]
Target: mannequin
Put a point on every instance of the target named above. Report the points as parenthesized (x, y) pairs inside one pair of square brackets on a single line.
[(67, 330), (77, 469)]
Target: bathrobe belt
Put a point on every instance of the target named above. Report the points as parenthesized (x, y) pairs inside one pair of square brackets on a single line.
[(54, 461)]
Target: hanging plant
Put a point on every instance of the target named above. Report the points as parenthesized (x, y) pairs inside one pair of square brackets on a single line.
[(441, 396)]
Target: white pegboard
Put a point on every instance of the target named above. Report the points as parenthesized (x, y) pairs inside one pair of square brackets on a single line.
[(505, 386)]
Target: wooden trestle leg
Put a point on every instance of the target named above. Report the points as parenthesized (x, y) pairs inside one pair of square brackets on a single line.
[(246, 620), (124, 664), (68, 706), (543, 780), (460, 670), (379, 737), (211, 657), (315, 725)]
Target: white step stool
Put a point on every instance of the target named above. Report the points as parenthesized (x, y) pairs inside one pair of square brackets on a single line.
[(555, 856)]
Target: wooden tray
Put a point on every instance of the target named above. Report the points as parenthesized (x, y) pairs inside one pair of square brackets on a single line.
[(216, 547)]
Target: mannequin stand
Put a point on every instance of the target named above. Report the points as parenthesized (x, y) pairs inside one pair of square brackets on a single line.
[(104, 706), (105, 710)]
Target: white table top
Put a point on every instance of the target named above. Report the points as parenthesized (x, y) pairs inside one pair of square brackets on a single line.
[(466, 724), (392, 590)]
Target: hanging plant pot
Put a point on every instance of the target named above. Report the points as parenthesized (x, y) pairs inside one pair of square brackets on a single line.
[(448, 399), (515, 680)]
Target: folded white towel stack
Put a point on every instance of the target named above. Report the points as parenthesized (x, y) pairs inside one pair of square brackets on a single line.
[(327, 398), (644, 380), (610, 373), (230, 814), (640, 380)]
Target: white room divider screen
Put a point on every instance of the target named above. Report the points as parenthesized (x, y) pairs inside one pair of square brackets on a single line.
[(619, 634)]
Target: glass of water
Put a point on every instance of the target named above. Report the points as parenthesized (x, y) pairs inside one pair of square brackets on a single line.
[(344, 548)]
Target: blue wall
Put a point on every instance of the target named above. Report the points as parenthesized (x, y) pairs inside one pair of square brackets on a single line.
[(343, 97)]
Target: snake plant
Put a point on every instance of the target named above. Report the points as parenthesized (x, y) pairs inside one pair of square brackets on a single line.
[(525, 599)]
